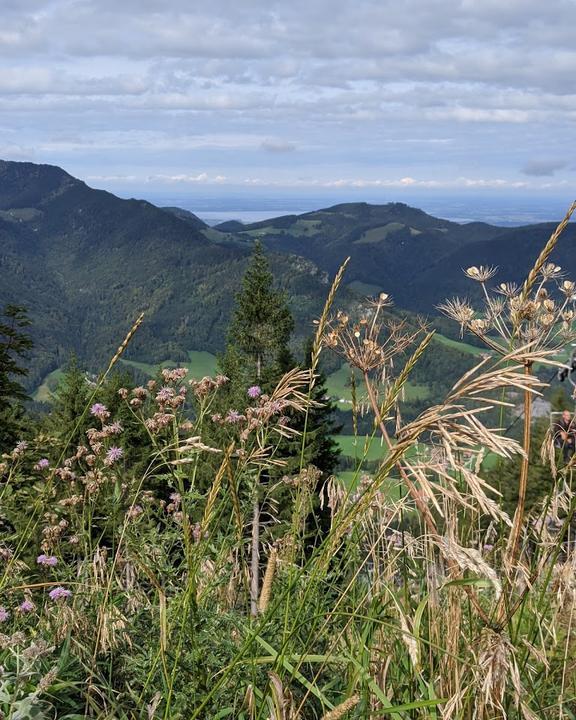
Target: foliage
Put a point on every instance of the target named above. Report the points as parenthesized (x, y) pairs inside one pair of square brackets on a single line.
[(14, 347)]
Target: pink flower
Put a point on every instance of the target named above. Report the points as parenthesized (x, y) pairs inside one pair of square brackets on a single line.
[(164, 395), (134, 511), (27, 606), (49, 560), (100, 411), (174, 375), (113, 455), (114, 428), (4, 614), (254, 392), (42, 464), (59, 593)]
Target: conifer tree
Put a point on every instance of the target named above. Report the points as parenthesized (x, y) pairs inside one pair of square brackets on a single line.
[(257, 351), (320, 449), (68, 418), (14, 346)]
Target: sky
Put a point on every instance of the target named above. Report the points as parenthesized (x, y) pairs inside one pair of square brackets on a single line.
[(345, 99)]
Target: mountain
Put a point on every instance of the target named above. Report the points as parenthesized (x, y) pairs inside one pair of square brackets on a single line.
[(416, 258), (86, 263)]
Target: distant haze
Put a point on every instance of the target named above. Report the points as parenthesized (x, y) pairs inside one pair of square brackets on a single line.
[(494, 209)]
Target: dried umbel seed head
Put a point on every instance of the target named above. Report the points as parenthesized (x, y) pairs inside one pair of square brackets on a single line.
[(458, 310), (547, 320), (508, 289), (495, 307), (568, 287), (479, 326), (528, 310), (483, 273), (550, 271)]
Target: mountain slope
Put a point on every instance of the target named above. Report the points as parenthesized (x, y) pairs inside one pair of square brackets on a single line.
[(86, 263), (415, 257)]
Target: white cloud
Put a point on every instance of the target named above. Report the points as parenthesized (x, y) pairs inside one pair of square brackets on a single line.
[(437, 89)]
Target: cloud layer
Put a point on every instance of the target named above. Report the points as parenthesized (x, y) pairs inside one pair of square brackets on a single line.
[(372, 93)]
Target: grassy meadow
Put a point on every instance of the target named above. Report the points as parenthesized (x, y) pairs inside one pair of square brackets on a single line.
[(180, 560)]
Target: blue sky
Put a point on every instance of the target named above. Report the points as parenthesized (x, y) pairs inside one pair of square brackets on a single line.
[(367, 98)]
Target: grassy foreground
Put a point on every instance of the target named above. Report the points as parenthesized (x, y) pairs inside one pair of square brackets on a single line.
[(132, 589)]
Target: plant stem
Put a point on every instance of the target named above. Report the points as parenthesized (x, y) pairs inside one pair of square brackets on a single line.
[(514, 541), (254, 579)]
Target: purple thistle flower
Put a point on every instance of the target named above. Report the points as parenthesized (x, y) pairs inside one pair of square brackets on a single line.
[(100, 411), (113, 455), (49, 560), (254, 392), (4, 614), (43, 464), (27, 606), (59, 593)]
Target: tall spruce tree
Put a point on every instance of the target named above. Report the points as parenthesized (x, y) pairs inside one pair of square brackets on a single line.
[(257, 350), (14, 346)]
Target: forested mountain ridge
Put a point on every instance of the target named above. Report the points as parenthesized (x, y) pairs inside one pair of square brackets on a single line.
[(415, 257), (85, 263)]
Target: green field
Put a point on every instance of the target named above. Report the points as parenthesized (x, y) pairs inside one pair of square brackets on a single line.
[(380, 233), (44, 392), (200, 364), (362, 447), (364, 289), (350, 478), (459, 345), (339, 387)]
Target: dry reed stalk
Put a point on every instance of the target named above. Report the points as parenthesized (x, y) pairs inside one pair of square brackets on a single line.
[(125, 343), (255, 552), (317, 344), (341, 710), (267, 582), (514, 539), (215, 489)]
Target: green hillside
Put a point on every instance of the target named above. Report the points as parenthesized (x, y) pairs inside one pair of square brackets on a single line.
[(86, 263)]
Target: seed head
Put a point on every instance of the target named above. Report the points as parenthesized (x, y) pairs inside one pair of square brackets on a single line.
[(483, 273)]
